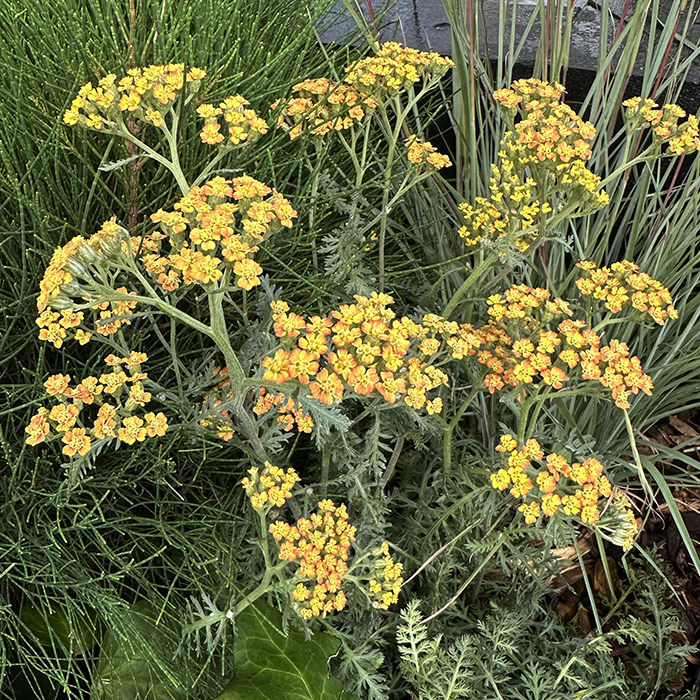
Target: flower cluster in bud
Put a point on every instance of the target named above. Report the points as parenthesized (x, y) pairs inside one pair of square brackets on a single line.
[(320, 545), (112, 420), (618, 523), (387, 580), (424, 153), (573, 489), (146, 94), (646, 114), (622, 286), (544, 153), (519, 348), (361, 348), (225, 218), (290, 413), (244, 125), (271, 487)]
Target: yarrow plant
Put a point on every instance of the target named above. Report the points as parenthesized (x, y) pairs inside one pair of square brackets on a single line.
[(359, 356)]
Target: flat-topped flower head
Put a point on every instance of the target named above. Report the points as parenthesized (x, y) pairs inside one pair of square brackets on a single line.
[(320, 546), (145, 94)]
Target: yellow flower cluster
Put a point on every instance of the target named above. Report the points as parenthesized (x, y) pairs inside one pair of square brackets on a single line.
[(681, 138), (387, 581), (424, 153), (322, 105), (147, 94), (544, 153), (60, 282), (361, 347), (111, 420), (290, 413), (272, 487), (518, 347), (395, 67), (622, 286), (244, 125), (621, 523), (203, 227), (320, 545), (574, 489)]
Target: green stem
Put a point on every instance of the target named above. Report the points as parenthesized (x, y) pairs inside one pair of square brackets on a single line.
[(472, 279), (449, 428), (635, 454)]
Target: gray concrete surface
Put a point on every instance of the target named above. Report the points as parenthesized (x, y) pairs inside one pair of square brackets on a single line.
[(424, 25)]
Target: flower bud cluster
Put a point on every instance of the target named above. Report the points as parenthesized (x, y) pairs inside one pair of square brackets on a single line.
[(271, 487), (244, 125), (146, 94), (424, 153), (112, 419), (573, 489), (622, 286), (361, 348), (320, 546), (646, 114), (387, 580), (206, 224), (70, 274), (619, 524)]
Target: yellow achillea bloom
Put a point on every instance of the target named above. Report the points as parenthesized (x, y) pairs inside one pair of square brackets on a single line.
[(621, 286), (271, 487), (544, 153), (574, 489), (144, 93), (320, 545), (424, 153), (663, 122), (362, 348), (113, 420), (244, 125)]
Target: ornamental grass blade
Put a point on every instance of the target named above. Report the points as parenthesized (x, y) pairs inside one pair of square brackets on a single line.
[(673, 509), (270, 665)]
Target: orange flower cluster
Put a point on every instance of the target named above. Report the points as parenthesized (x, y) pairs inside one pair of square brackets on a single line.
[(361, 348), (424, 153), (147, 94), (290, 413), (545, 152), (244, 125), (320, 545), (681, 138), (518, 348), (622, 286), (202, 227), (573, 488), (394, 68), (270, 488), (322, 106), (387, 581), (111, 421)]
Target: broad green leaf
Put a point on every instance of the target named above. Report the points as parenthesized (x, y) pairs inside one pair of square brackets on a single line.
[(54, 629), (270, 665), (136, 665)]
